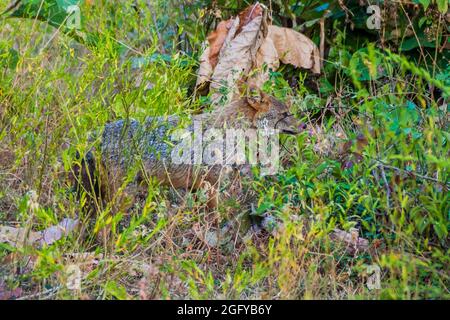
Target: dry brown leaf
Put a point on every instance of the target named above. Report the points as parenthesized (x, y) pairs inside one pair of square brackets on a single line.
[(236, 58), (353, 243), (205, 70), (18, 237), (238, 50), (216, 40), (54, 233), (248, 14), (295, 48), (230, 35)]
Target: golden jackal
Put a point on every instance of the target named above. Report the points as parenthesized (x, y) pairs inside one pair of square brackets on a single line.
[(149, 147)]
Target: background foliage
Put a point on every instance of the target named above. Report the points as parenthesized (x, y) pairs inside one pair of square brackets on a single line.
[(385, 91)]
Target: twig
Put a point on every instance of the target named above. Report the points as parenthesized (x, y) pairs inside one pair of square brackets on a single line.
[(11, 7), (155, 22), (322, 41), (388, 189), (48, 292), (410, 172)]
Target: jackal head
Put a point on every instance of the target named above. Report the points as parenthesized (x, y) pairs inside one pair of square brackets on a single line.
[(272, 113)]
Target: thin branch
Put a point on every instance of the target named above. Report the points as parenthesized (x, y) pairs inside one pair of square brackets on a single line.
[(410, 172)]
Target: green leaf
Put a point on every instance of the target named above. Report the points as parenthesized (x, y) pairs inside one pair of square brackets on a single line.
[(310, 23), (420, 41), (141, 62), (425, 3), (263, 208), (422, 21), (366, 64), (326, 86), (117, 291), (65, 15), (54, 12), (8, 57), (440, 229), (442, 5), (321, 168)]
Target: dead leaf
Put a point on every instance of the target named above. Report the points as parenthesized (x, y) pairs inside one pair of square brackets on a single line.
[(248, 14), (205, 70), (211, 239), (353, 243), (246, 48), (216, 40), (236, 59), (54, 233), (73, 277), (294, 48), (18, 237)]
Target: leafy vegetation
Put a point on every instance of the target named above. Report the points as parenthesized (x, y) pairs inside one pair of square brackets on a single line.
[(377, 159)]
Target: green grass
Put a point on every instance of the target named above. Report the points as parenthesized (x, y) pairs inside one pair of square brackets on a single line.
[(394, 188)]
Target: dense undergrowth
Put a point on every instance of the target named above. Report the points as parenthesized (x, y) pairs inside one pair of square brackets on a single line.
[(386, 95)]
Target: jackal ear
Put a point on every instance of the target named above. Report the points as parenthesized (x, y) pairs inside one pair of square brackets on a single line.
[(258, 100), (254, 98)]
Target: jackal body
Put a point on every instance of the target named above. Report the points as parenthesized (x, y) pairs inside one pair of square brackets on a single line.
[(149, 145)]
